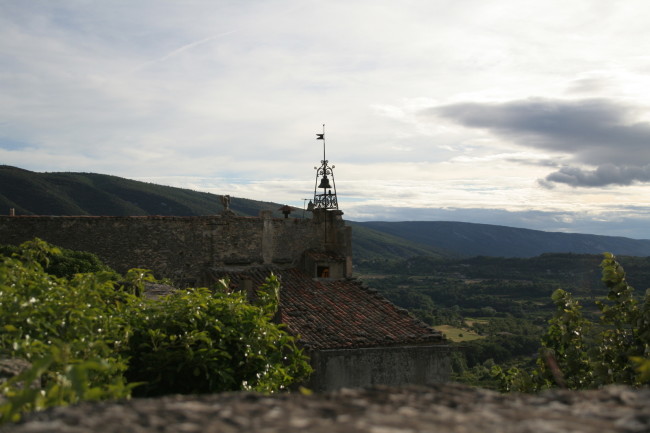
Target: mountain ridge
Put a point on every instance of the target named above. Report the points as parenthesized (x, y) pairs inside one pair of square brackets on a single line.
[(74, 193), (476, 239)]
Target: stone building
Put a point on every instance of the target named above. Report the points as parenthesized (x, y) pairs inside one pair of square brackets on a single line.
[(354, 336)]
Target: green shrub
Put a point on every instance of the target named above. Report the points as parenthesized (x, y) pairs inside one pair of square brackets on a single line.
[(86, 334), (38, 310), (69, 386), (71, 331), (577, 353), (60, 262), (196, 341)]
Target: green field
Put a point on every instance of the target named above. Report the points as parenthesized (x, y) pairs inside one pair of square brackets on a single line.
[(457, 334), (471, 321)]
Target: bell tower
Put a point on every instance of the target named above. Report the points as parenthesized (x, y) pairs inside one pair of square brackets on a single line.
[(331, 254), (324, 191)]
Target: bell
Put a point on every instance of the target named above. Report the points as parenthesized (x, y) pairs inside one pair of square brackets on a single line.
[(325, 183)]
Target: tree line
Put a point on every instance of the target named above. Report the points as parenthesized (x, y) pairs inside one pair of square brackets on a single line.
[(515, 303)]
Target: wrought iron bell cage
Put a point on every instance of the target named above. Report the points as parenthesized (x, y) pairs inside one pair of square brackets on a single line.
[(324, 191)]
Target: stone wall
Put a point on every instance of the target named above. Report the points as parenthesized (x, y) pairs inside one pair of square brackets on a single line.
[(182, 248), (393, 366), (444, 408)]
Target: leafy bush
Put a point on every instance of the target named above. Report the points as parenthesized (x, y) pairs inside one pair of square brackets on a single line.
[(577, 353), (39, 310), (71, 385), (70, 329), (61, 262), (87, 334), (196, 341)]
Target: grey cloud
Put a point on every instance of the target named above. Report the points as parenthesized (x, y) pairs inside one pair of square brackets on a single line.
[(607, 174), (588, 85), (593, 131), (536, 162)]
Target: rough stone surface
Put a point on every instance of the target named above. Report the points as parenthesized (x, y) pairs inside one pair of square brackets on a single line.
[(436, 408), (10, 367), (395, 366), (181, 248)]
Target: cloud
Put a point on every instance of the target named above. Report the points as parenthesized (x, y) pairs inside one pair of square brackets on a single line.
[(524, 158), (180, 50), (595, 132), (606, 174)]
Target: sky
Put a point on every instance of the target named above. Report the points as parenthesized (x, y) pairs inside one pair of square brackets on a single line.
[(532, 114)]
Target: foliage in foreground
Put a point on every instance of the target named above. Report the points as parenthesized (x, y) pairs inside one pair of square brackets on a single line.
[(579, 354), (196, 341), (90, 336)]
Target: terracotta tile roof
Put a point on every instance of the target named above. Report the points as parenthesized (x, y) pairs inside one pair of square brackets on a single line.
[(336, 314)]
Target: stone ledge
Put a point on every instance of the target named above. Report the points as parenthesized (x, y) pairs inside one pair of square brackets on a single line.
[(443, 408)]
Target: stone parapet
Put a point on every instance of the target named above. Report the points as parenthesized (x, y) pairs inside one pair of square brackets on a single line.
[(181, 248)]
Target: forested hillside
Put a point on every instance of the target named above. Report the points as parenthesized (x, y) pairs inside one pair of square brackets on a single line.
[(470, 239), (31, 193), (370, 245)]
